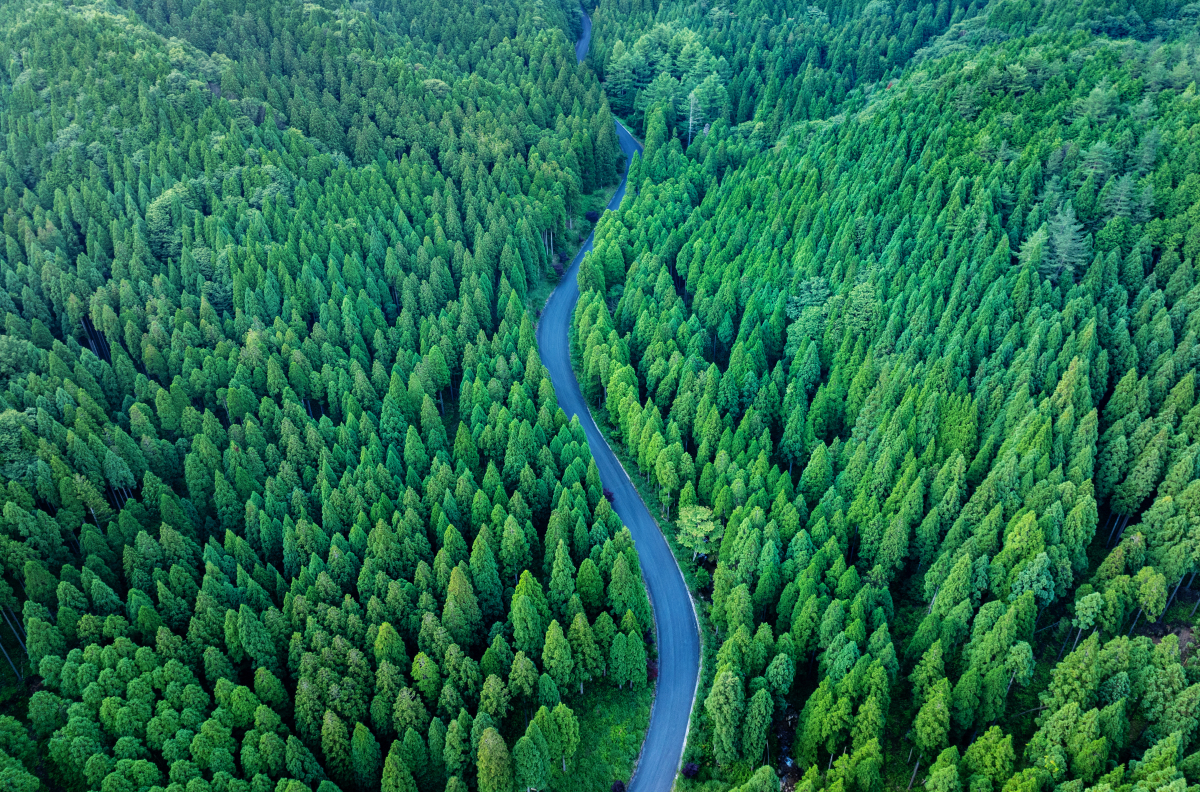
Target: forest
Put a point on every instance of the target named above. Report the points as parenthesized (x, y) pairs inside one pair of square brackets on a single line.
[(288, 500), (892, 330), (899, 344)]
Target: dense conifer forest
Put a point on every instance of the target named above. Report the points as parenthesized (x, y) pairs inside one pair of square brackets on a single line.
[(895, 330), (892, 329), (288, 500)]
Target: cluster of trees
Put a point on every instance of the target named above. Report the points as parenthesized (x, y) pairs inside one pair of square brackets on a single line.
[(396, 79), (772, 64), (749, 62), (287, 492), (915, 383)]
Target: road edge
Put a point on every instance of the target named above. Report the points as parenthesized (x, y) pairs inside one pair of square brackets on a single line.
[(678, 571)]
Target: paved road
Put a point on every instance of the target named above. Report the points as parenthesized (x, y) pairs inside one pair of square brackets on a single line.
[(585, 38), (678, 635)]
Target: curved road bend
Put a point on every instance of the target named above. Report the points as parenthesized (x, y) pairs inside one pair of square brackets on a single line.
[(675, 621), (585, 37)]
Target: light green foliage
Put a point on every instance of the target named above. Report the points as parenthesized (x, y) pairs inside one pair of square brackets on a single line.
[(495, 764), (931, 376), (897, 321), (696, 529), (275, 435)]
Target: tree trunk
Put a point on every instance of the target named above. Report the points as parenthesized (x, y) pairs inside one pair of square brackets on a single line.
[(1121, 530), (16, 634), (1064, 646), (1135, 621), (17, 621), (1176, 591), (1112, 519), (914, 775), (10, 662)]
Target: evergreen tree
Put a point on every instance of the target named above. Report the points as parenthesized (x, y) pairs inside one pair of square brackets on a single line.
[(724, 708), (532, 766), (758, 719), (495, 764), (557, 657), (335, 745), (365, 757)]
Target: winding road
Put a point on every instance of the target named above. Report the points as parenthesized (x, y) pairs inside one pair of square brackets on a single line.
[(585, 40), (675, 621)]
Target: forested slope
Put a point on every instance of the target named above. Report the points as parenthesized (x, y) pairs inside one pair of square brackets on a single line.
[(915, 379), (288, 502), (776, 63), (895, 328)]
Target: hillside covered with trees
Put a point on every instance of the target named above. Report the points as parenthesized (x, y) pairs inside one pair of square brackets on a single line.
[(288, 502), (893, 329), (900, 344)]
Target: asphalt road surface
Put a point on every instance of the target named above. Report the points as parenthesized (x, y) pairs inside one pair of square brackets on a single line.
[(585, 38), (675, 621)]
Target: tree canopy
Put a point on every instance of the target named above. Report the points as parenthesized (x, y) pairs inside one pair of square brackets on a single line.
[(902, 339), (287, 493)]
